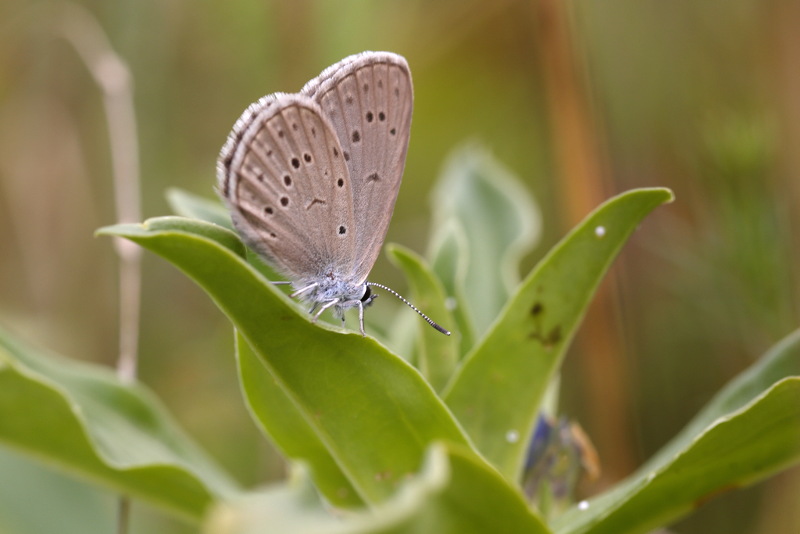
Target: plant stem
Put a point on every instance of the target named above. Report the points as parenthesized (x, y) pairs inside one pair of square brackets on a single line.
[(112, 76)]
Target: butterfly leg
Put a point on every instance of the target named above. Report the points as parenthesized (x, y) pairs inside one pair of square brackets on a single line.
[(303, 290), (322, 309), (349, 304), (361, 318)]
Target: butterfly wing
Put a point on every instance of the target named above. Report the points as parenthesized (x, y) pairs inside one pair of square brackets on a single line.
[(283, 176), (368, 99)]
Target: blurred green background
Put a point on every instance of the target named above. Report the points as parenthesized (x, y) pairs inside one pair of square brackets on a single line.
[(580, 99)]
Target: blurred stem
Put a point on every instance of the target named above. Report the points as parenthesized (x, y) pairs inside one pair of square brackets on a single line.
[(782, 49), (581, 171), (113, 78), (123, 515)]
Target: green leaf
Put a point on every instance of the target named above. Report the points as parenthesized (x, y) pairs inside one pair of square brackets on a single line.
[(194, 206), (499, 220), (79, 417), (453, 494), (437, 353), (374, 413), (749, 430), (284, 423), (497, 392)]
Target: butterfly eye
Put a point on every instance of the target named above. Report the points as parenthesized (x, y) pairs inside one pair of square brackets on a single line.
[(367, 294)]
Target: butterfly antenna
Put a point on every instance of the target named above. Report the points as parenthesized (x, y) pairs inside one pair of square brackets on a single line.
[(407, 303)]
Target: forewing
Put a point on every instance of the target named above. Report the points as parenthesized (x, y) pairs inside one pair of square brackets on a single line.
[(369, 98), (282, 174)]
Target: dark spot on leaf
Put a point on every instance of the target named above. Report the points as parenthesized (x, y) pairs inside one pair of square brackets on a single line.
[(307, 157), (356, 136), (537, 309), (392, 131), (370, 116), (381, 116), (335, 152), (554, 337), (295, 163), (549, 340), (287, 180), (349, 99), (373, 177), (346, 156), (284, 201), (280, 133), (342, 230), (268, 210), (340, 182)]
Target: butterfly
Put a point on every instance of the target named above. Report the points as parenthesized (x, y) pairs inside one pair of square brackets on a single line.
[(311, 178)]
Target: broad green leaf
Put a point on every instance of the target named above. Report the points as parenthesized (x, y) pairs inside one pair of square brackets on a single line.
[(499, 220), (80, 418), (374, 413), (749, 430), (496, 394), (437, 353), (284, 423), (452, 494), (194, 206)]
